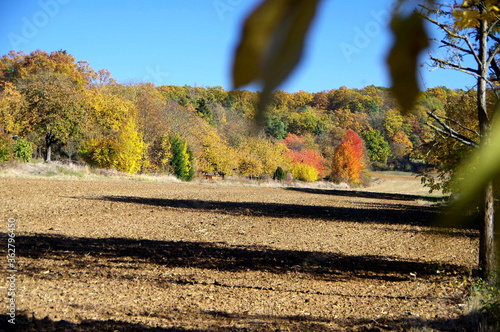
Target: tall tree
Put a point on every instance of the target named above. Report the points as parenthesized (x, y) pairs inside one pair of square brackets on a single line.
[(182, 159), (445, 154), (348, 163), (377, 147), (52, 87), (54, 108), (18, 65), (112, 137), (471, 31)]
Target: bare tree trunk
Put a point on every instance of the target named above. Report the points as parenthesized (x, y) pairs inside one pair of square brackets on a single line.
[(48, 148), (48, 154), (484, 123)]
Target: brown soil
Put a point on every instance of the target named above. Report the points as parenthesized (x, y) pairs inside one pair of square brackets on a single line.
[(123, 255)]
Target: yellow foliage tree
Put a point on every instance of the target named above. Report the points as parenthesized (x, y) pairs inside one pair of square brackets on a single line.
[(400, 144), (266, 156), (108, 111), (393, 122), (11, 102), (160, 154), (113, 140), (250, 165), (130, 148), (467, 15), (211, 151)]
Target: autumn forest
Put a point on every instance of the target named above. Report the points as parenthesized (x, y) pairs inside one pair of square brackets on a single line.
[(55, 107)]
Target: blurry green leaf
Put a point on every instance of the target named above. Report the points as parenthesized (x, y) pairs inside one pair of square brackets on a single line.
[(271, 44), (410, 39), (485, 164)]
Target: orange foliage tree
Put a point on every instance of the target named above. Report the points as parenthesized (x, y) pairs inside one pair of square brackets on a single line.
[(348, 164)]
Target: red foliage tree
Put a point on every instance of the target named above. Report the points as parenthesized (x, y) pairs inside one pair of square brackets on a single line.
[(298, 154), (348, 162), (309, 157)]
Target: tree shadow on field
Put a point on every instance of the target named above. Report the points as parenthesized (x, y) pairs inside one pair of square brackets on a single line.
[(31, 324), (471, 321), (80, 252), (374, 212), (366, 212), (224, 322), (370, 194)]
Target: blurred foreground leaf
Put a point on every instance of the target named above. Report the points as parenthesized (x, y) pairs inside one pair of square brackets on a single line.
[(485, 166), (410, 39), (271, 44)]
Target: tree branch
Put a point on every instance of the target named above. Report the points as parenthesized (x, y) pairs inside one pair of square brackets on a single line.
[(446, 64), (447, 43), (447, 134), (491, 28), (492, 55), (445, 118), (496, 70), (453, 34), (495, 38), (450, 132)]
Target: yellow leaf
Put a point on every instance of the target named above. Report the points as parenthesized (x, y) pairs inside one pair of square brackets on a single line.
[(271, 44), (410, 40), (257, 32)]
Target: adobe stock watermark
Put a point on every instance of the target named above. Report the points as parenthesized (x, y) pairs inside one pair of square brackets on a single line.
[(364, 35), (11, 270), (155, 75), (224, 6), (31, 26)]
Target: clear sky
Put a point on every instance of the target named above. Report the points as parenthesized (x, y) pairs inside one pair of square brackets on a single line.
[(192, 41)]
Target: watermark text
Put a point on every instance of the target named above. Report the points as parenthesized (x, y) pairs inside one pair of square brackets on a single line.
[(11, 270), (365, 34), (32, 25), (222, 7)]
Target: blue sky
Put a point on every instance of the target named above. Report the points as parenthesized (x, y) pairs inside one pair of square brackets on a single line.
[(192, 41)]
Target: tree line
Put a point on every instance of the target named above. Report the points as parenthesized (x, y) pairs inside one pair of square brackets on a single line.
[(55, 107)]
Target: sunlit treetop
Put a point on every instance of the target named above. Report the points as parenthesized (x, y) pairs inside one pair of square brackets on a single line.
[(19, 65), (468, 14)]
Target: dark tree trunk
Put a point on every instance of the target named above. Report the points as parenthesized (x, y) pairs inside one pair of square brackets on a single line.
[(487, 260), (487, 257)]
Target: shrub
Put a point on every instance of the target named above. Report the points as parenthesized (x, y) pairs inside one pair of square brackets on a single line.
[(309, 157), (23, 150), (279, 174), (304, 172), (5, 148), (4, 153)]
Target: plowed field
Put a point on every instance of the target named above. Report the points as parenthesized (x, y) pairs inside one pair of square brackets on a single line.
[(121, 255)]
